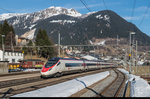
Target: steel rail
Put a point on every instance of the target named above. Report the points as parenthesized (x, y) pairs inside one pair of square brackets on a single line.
[(44, 83), (115, 91)]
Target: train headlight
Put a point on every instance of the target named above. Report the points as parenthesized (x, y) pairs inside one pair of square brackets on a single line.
[(49, 69)]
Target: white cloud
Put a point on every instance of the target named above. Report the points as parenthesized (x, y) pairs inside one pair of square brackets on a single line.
[(142, 8), (138, 9), (131, 18), (30, 10), (92, 5), (136, 17), (146, 15)]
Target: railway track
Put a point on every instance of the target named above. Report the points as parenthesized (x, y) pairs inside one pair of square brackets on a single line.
[(9, 80), (111, 86), (17, 88), (18, 73), (115, 89)]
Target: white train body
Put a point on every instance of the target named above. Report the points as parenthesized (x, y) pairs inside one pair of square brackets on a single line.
[(59, 66)]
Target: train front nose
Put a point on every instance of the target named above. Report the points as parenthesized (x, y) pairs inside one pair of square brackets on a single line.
[(44, 71)]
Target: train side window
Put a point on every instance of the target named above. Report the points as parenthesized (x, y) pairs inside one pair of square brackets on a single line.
[(58, 63)]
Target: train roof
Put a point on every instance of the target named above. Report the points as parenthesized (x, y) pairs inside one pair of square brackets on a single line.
[(58, 58)]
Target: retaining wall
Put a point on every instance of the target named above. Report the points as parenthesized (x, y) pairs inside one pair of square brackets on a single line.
[(4, 67)]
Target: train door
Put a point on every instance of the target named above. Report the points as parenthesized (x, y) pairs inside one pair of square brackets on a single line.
[(84, 65), (59, 66)]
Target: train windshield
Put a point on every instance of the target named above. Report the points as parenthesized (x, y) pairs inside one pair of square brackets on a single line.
[(50, 63)]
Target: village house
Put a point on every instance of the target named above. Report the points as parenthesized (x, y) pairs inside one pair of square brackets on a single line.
[(21, 41)]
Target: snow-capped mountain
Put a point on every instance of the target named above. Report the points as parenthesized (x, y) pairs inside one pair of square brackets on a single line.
[(26, 22), (87, 14), (59, 10), (9, 15), (43, 14), (51, 11), (74, 27)]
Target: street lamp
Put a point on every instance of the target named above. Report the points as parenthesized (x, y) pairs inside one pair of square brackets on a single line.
[(131, 33), (3, 46)]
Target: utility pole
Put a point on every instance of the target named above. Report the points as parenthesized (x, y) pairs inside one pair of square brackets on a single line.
[(136, 56), (38, 52), (3, 46), (125, 58), (117, 41), (12, 48), (132, 55), (117, 49), (130, 51), (59, 44)]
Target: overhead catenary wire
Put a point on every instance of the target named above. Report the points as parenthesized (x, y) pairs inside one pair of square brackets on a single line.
[(132, 13), (130, 43), (84, 3), (146, 11), (7, 10), (55, 46), (107, 12), (105, 4)]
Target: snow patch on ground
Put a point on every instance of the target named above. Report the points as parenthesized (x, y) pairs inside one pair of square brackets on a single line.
[(105, 17), (99, 16), (30, 70), (29, 35), (62, 21), (88, 57), (141, 87), (32, 26), (99, 43), (67, 88)]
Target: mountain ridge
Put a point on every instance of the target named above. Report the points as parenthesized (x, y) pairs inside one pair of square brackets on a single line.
[(79, 29)]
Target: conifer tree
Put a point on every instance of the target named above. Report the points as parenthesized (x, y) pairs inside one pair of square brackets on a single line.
[(8, 31), (10, 39), (42, 39), (5, 28), (30, 43)]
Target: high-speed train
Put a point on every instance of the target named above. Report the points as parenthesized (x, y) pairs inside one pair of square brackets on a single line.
[(58, 66)]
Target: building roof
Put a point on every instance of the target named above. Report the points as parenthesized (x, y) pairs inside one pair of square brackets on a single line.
[(10, 50), (23, 38), (31, 60), (88, 57)]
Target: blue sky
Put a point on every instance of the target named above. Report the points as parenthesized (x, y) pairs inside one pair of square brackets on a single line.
[(124, 8)]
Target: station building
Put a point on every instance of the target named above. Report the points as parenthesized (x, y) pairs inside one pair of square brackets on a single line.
[(11, 56)]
